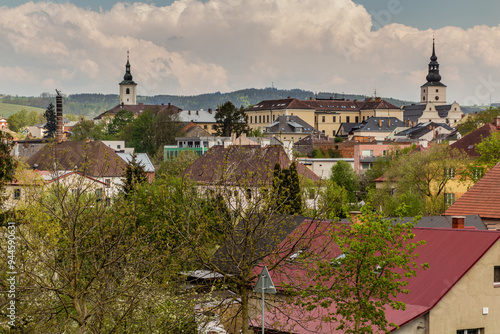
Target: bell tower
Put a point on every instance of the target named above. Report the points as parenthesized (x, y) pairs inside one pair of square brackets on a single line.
[(128, 88), (433, 90)]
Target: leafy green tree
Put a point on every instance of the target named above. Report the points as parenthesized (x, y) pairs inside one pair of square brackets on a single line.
[(51, 124), (176, 166), (122, 118), (473, 122), (88, 129), (364, 278), (7, 163), (230, 120), (343, 175)]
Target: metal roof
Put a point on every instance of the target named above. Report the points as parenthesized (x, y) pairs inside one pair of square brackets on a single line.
[(142, 159)]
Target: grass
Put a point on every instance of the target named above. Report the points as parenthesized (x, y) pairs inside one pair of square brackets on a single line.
[(7, 109)]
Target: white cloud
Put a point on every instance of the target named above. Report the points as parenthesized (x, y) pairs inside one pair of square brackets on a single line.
[(192, 47)]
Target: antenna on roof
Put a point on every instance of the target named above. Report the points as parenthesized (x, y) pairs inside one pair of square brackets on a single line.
[(375, 92)]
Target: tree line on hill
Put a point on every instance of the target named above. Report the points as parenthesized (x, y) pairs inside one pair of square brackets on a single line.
[(92, 105)]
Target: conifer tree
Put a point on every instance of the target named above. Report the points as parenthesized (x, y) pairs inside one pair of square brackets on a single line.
[(51, 118), (134, 175)]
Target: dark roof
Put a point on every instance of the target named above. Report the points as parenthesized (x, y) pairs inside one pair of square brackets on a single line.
[(373, 124), (195, 131), (348, 127), (414, 111), (468, 143), (290, 103), (482, 198), (93, 158), (253, 165), (421, 129), (377, 104), (230, 255), (289, 123), (137, 109), (445, 221), (450, 253)]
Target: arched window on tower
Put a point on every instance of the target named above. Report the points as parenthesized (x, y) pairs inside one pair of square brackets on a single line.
[(127, 91)]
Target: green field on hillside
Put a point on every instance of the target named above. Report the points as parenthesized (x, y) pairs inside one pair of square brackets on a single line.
[(7, 109)]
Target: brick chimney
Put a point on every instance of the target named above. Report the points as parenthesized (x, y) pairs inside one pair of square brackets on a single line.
[(497, 123), (355, 216), (189, 112), (378, 99), (59, 116), (458, 222), (197, 112), (389, 122), (210, 110), (380, 122)]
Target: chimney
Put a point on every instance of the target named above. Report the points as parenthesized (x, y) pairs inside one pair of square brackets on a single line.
[(370, 100), (458, 222), (378, 99), (189, 112), (355, 216), (197, 113), (380, 122), (497, 123), (59, 112), (389, 122), (169, 104), (310, 99), (210, 110)]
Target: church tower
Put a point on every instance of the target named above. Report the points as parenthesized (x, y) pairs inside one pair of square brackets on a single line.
[(433, 90), (128, 88)]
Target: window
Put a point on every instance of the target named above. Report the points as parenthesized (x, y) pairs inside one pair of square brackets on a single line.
[(437, 90), (366, 165), (384, 153), (267, 118), (323, 119), (249, 193), (496, 277), (348, 119), (423, 98), (367, 153), (127, 91), (449, 173), (340, 119), (108, 182), (437, 98), (449, 198), (98, 193), (260, 119), (334, 120), (206, 126), (214, 127), (356, 119), (471, 331), (118, 146), (17, 193), (424, 90), (251, 119), (274, 118)]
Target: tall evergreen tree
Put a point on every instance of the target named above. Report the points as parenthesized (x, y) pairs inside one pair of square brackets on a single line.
[(230, 120), (134, 175), (286, 190), (51, 118)]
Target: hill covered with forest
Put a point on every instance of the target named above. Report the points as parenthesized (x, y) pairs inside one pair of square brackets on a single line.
[(92, 105)]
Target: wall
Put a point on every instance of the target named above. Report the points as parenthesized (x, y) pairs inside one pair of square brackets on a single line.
[(462, 307)]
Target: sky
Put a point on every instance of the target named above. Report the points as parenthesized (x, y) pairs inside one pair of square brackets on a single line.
[(190, 47)]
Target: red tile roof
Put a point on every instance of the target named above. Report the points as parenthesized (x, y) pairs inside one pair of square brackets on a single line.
[(93, 158), (450, 253), (247, 163), (468, 143), (482, 198)]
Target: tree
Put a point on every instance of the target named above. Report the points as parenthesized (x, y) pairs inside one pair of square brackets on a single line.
[(426, 174), (134, 176), (286, 190), (343, 175), (86, 266), (474, 121), (51, 124), (361, 274), (122, 118), (230, 120), (88, 129), (7, 163)]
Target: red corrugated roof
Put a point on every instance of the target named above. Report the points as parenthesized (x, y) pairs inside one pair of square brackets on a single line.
[(450, 253), (468, 143), (481, 199)]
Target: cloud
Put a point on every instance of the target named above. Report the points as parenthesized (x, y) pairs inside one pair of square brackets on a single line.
[(190, 47)]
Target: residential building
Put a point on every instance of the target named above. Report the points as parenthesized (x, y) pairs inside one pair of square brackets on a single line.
[(204, 118), (458, 293), (323, 166), (326, 115), (481, 199), (375, 128), (468, 143), (424, 131), (366, 153), (143, 160), (91, 158), (3, 123), (288, 127)]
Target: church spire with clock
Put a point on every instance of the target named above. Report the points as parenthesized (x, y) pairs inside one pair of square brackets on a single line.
[(128, 88), (433, 90)]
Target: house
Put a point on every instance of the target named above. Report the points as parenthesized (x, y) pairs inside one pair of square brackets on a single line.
[(323, 166), (326, 115), (483, 199), (3, 123), (366, 153), (288, 127), (375, 128), (468, 143), (90, 158), (203, 118), (432, 107), (424, 131), (458, 293), (143, 160)]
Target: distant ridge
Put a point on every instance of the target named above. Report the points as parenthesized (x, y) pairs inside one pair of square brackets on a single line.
[(93, 104)]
